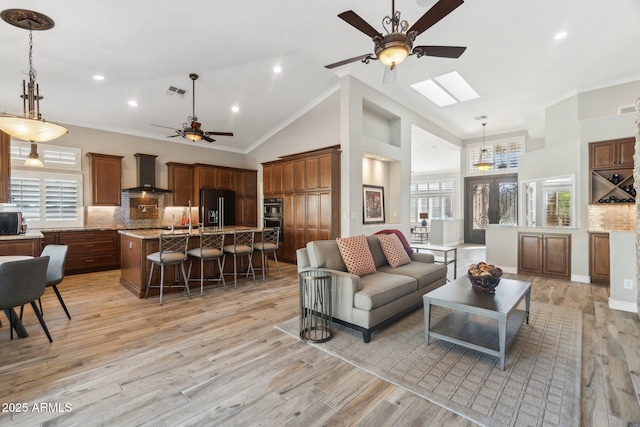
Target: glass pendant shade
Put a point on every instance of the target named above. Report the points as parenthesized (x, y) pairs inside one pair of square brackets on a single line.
[(483, 163), (34, 158), (30, 129)]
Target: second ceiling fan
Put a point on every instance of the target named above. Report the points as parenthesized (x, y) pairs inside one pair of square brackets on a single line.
[(192, 128), (394, 47)]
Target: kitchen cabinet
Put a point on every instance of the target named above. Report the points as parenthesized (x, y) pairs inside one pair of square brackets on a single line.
[(311, 197), (245, 183), (106, 179), (5, 168), (180, 184), (545, 254), (272, 178), (88, 251), (20, 245), (611, 171), (599, 258)]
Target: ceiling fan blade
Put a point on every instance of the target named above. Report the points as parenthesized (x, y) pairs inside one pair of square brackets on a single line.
[(206, 138), (433, 15), (440, 51), (365, 58), (220, 133), (389, 75), (160, 126), (173, 136), (353, 19)]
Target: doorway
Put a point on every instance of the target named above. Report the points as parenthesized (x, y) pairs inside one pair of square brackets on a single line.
[(489, 200)]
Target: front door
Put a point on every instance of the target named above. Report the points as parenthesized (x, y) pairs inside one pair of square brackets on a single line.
[(489, 200)]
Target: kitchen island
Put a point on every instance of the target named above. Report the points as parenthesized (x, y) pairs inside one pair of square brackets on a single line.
[(135, 245)]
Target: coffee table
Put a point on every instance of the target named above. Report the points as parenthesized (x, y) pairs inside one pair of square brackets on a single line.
[(482, 322)]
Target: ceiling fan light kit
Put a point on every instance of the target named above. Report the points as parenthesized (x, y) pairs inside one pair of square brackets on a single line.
[(30, 126), (394, 47)]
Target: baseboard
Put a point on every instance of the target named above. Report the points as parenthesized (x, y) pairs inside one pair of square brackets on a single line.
[(623, 305), (580, 278)]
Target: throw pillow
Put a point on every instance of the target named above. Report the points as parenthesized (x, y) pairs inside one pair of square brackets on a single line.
[(356, 255), (393, 250)]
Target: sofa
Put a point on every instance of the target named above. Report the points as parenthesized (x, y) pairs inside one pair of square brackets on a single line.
[(372, 301)]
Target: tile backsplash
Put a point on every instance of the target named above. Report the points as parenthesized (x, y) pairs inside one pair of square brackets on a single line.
[(617, 217)]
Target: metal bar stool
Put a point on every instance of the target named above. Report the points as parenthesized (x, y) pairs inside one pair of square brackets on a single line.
[(211, 247), (242, 246), (269, 245), (173, 251)]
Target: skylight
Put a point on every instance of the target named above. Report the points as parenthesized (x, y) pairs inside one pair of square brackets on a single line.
[(446, 89)]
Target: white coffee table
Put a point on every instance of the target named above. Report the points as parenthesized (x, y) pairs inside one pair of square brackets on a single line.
[(482, 322)]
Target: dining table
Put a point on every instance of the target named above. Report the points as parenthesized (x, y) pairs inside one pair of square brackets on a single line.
[(10, 312)]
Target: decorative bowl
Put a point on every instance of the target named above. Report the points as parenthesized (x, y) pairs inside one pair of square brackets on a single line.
[(484, 284)]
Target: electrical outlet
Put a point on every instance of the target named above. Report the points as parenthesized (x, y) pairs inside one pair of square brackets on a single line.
[(628, 284)]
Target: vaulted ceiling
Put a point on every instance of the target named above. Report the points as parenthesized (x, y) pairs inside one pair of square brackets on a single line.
[(141, 48)]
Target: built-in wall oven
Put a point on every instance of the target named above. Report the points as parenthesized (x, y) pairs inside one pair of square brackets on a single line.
[(272, 214)]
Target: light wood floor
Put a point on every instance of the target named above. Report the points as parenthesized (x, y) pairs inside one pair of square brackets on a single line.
[(217, 360)]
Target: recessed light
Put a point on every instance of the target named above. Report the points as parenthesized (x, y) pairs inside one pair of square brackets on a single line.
[(235, 109), (133, 103), (560, 35), (277, 69), (98, 77)]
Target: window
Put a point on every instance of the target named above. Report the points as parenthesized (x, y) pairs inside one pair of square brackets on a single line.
[(434, 197), (47, 198), (505, 154), (558, 205)]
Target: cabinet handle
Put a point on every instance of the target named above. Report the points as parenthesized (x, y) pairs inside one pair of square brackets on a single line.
[(130, 245), (89, 260), (90, 246)]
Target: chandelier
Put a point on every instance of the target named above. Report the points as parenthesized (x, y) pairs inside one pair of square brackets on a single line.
[(483, 163), (30, 126)]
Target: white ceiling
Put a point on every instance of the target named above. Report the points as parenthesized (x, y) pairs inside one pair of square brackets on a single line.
[(142, 48)]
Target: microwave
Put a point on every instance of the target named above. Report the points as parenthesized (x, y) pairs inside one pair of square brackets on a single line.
[(10, 223)]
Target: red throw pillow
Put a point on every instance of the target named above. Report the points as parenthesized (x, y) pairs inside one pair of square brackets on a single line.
[(393, 250), (356, 255)]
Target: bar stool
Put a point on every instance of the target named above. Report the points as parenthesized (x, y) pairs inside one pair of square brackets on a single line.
[(173, 251), (269, 245), (211, 246), (242, 245)]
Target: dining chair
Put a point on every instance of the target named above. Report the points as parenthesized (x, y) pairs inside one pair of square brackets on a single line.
[(269, 245), (211, 249), (55, 272), (172, 251), (242, 246), (23, 282)]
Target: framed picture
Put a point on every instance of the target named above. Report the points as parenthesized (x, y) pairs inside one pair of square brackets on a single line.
[(373, 204)]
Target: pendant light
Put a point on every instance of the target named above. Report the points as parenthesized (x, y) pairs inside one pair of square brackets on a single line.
[(30, 126), (483, 163)]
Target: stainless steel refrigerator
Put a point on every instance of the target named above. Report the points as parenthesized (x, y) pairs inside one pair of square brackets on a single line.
[(217, 207)]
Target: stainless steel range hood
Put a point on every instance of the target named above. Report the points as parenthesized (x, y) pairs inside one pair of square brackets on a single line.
[(146, 170)]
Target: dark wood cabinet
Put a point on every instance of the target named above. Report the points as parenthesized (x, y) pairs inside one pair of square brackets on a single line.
[(88, 250), (180, 184), (21, 246), (545, 254), (599, 258), (611, 171), (106, 179), (311, 197), (5, 168)]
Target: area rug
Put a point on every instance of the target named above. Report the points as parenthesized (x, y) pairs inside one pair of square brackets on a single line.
[(539, 386)]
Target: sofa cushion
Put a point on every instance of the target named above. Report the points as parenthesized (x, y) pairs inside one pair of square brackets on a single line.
[(393, 250), (376, 251), (379, 289), (424, 273), (356, 255), (325, 254)]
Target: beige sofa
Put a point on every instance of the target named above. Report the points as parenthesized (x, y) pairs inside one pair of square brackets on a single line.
[(374, 300)]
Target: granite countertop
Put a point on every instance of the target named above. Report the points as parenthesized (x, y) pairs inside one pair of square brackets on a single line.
[(30, 234), (155, 233)]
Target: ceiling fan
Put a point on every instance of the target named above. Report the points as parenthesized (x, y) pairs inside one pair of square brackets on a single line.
[(394, 47), (191, 129)]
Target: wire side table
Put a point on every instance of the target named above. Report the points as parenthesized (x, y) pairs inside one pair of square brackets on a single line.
[(315, 305)]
